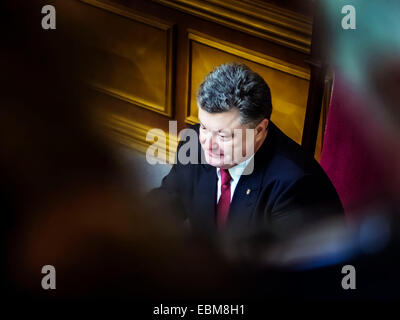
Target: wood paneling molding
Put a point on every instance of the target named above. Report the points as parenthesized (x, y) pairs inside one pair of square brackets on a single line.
[(254, 17), (135, 59), (133, 135), (250, 55)]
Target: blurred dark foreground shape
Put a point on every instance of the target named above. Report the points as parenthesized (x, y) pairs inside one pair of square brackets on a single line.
[(65, 199)]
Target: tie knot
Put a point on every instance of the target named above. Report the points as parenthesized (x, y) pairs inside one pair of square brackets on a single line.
[(225, 177)]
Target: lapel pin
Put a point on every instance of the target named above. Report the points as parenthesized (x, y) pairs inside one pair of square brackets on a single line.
[(248, 191)]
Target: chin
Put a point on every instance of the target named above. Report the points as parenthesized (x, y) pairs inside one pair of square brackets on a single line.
[(219, 163), (212, 162)]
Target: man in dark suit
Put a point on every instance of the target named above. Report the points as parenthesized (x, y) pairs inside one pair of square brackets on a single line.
[(249, 176)]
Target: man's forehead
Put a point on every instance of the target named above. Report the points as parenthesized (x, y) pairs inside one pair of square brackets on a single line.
[(220, 121)]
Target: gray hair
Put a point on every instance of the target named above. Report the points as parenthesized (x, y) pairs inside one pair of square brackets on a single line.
[(234, 85)]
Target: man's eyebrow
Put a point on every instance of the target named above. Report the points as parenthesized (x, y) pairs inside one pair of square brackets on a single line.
[(227, 131)]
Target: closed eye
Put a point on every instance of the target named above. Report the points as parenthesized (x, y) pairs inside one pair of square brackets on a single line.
[(225, 136)]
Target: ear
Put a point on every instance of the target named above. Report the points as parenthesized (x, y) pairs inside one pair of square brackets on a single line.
[(261, 127)]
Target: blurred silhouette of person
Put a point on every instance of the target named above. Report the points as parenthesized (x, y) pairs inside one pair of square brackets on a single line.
[(361, 144), (65, 198)]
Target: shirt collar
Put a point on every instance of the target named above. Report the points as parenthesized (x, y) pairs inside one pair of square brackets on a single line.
[(236, 171)]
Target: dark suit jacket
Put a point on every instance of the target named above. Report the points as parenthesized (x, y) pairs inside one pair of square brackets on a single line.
[(288, 190)]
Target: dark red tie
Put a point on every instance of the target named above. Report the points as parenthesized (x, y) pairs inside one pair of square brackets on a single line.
[(225, 199)]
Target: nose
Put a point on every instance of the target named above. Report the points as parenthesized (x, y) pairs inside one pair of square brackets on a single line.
[(209, 141)]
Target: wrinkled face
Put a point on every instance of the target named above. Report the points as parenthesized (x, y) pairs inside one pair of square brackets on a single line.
[(225, 141)]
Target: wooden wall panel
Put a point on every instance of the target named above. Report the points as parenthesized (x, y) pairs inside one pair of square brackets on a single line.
[(258, 18), (327, 96), (132, 54)]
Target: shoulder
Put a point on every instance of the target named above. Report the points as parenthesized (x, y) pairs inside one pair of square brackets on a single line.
[(288, 161), (291, 173)]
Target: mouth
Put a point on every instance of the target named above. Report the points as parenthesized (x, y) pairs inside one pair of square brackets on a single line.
[(215, 156)]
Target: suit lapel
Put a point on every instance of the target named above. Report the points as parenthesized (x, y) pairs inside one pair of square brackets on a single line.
[(244, 200)]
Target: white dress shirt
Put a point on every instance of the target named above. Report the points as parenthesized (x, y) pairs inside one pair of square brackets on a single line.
[(235, 172)]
